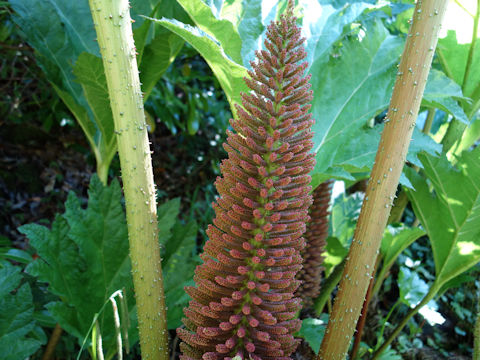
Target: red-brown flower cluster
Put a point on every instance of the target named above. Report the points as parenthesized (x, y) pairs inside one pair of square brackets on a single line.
[(243, 304), (315, 236)]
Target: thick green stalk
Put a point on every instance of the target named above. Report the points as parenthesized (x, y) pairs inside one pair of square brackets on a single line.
[(401, 202), (454, 133), (364, 313), (102, 170), (407, 94), (114, 34)]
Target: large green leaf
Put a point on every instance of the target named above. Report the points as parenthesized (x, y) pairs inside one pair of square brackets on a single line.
[(453, 57), (441, 92), (350, 87), (178, 269), (244, 16), (343, 219), (63, 35), (59, 31), (395, 240), (322, 24), (323, 32), (313, 330), (89, 73), (84, 259), (470, 136), (178, 249), (229, 74), (349, 90), (157, 57), (222, 30), (451, 214), (16, 318)]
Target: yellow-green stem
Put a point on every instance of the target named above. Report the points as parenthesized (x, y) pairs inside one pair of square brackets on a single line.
[(102, 170), (407, 94), (114, 34), (401, 202)]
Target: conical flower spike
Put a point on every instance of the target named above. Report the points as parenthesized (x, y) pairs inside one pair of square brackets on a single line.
[(315, 236), (243, 304)]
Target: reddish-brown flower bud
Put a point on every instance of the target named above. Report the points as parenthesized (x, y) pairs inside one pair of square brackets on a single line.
[(243, 303), (315, 236)]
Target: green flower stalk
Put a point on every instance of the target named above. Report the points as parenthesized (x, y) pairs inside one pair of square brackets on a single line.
[(243, 305), (114, 34), (399, 124)]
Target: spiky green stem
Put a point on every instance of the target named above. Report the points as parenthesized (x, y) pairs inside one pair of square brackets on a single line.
[(407, 94), (114, 34)]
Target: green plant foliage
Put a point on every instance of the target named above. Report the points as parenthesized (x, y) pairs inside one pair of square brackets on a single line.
[(167, 214), (312, 331), (157, 47), (156, 59), (346, 102), (188, 99), (181, 260), (229, 74), (178, 251), (453, 57), (395, 240), (470, 136), (334, 253), (412, 288), (17, 325), (61, 31), (352, 83), (222, 30), (84, 259), (451, 216), (344, 215), (441, 92), (88, 72), (343, 219), (390, 354)]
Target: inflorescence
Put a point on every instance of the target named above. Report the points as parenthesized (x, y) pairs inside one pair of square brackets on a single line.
[(315, 236), (243, 304)]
